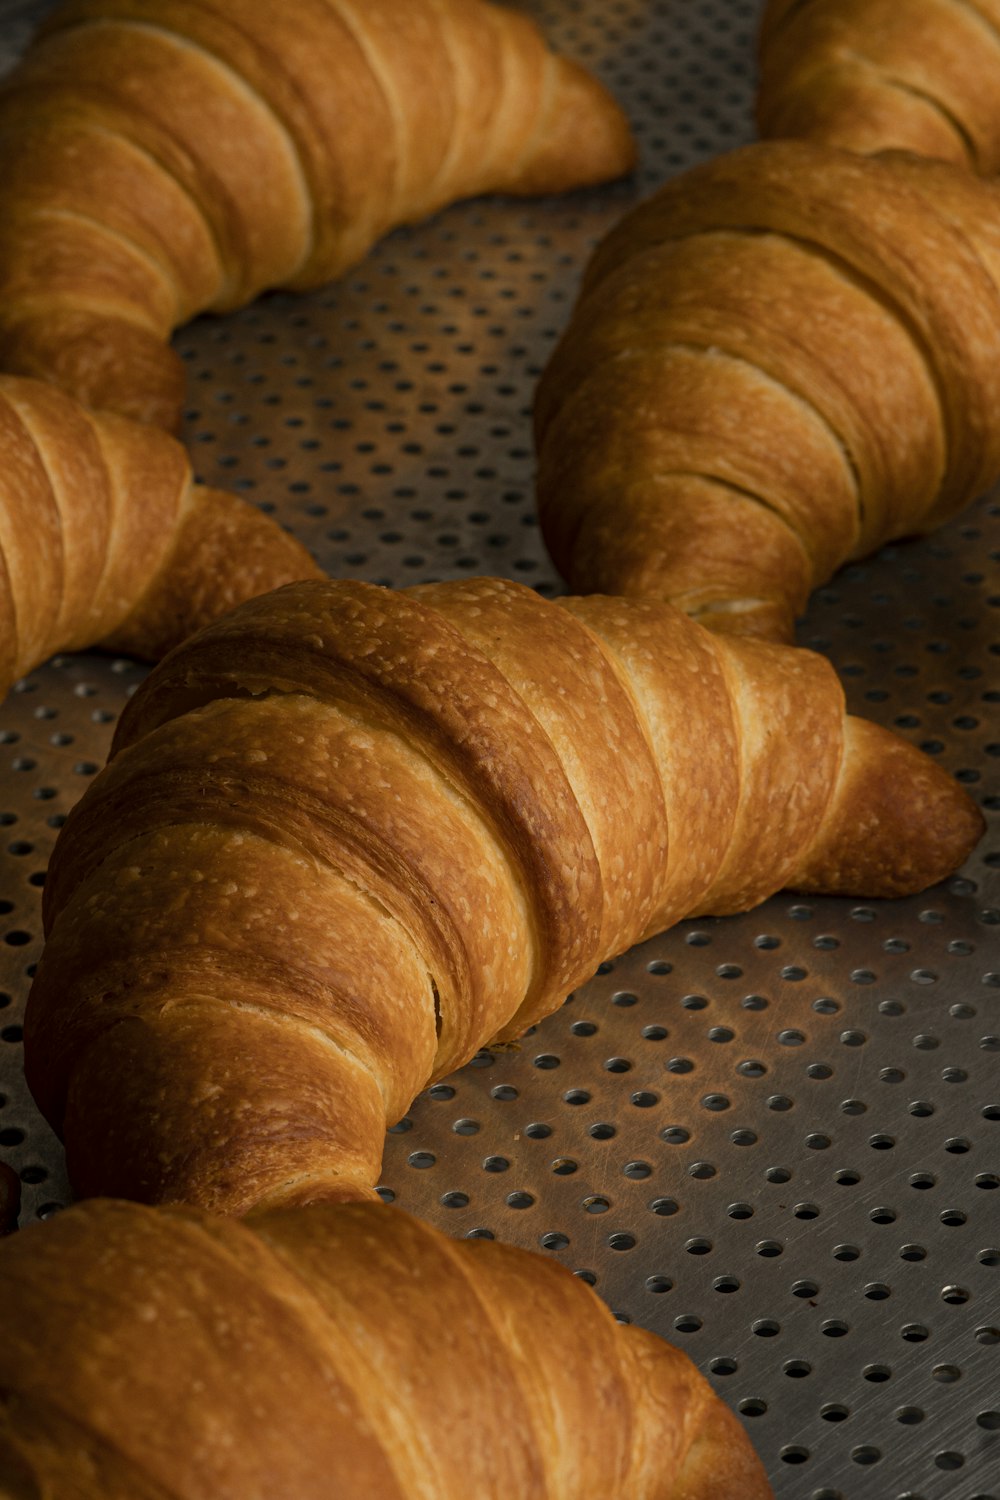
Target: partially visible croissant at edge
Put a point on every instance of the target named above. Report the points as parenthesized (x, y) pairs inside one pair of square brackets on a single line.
[(106, 540), (167, 157), (874, 75), (783, 359), (349, 836), (324, 1352)]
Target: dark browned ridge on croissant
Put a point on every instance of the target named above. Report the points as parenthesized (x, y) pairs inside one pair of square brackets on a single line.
[(106, 540), (168, 157), (783, 359), (349, 836), (347, 1352), (876, 75)]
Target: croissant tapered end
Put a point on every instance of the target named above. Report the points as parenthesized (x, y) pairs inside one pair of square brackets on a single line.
[(226, 552), (104, 539), (717, 1463), (107, 363), (910, 823), (585, 140), (720, 1467), (216, 1146)]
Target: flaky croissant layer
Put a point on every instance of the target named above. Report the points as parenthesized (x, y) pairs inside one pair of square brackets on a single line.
[(106, 539), (349, 836), (168, 157), (325, 1352), (783, 359), (873, 75)]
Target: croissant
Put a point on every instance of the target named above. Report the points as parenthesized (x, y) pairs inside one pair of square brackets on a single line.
[(168, 157), (349, 836), (335, 1351), (786, 357), (105, 539), (868, 75)]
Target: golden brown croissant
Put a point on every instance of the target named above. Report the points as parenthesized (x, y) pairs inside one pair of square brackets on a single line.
[(105, 539), (784, 358), (350, 1352), (167, 157), (870, 75), (349, 836)]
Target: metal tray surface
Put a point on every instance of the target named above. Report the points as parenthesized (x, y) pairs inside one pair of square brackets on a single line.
[(774, 1139)]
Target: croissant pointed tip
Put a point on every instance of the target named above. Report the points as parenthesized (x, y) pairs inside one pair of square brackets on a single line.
[(920, 824), (586, 138)]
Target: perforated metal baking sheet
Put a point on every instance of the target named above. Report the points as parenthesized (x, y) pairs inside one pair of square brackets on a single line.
[(774, 1139)]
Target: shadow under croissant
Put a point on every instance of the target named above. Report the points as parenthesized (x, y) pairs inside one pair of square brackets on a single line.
[(348, 836)]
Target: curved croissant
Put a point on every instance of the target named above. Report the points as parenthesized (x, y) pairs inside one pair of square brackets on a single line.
[(105, 539), (349, 836), (778, 362), (350, 1352), (870, 75), (167, 157)]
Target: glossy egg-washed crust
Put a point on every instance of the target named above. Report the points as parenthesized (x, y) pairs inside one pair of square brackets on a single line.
[(334, 1351), (165, 157), (874, 75), (349, 836), (784, 358), (105, 539)]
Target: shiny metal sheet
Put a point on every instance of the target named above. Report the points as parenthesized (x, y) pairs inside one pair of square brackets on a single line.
[(774, 1139)]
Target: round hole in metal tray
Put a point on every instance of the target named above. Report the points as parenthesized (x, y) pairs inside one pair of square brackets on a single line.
[(659, 1284), (910, 1416), (752, 1406)]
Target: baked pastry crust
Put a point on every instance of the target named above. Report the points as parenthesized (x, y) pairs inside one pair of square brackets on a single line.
[(349, 836), (783, 359), (875, 75), (169, 157), (347, 1351), (105, 539)]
